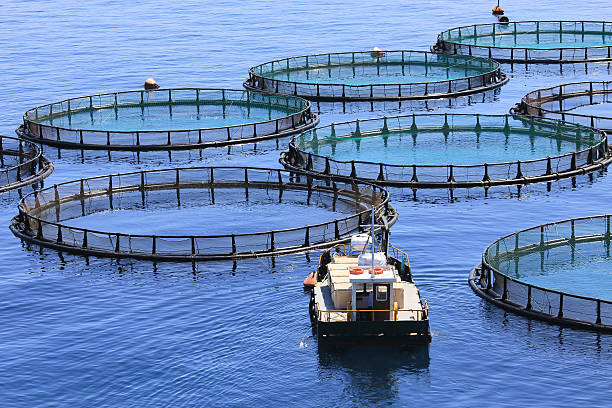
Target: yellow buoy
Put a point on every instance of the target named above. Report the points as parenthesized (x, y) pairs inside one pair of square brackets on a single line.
[(150, 84)]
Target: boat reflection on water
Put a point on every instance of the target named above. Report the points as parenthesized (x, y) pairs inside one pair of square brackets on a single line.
[(374, 373), (375, 359)]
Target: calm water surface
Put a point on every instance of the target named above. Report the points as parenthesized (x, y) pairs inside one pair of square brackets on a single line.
[(163, 118), (106, 333), (375, 74), (206, 218), (459, 147), (587, 274), (543, 41), (600, 109)]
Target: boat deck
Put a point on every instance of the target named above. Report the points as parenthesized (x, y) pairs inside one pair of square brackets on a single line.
[(334, 293)]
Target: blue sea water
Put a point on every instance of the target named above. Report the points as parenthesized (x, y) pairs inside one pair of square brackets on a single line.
[(201, 217), (106, 333), (600, 109)]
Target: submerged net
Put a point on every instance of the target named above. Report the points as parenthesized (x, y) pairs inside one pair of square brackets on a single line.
[(166, 119), (21, 163), (44, 216), (568, 102), (376, 75), (561, 270), (444, 150), (531, 41)]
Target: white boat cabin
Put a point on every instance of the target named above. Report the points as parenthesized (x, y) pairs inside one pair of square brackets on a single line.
[(354, 291)]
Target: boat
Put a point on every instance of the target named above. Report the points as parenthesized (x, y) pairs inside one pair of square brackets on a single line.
[(365, 295)]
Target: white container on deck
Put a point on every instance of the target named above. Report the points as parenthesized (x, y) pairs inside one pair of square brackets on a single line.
[(380, 259)]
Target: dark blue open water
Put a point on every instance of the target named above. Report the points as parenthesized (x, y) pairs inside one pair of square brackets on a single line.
[(133, 334)]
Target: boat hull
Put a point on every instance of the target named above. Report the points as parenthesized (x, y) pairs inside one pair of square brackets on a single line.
[(391, 333)]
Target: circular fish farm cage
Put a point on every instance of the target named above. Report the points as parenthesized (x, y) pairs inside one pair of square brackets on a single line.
[(584, 103), (166, 119), (531, 41), (55, 217), (557, 272), (21, 164), (376, 76), (449, 150)]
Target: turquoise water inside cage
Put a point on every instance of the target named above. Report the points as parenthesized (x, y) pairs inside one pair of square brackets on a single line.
[(166, 117), (543, 40), (458, 148), (374, 74), (581, 269)]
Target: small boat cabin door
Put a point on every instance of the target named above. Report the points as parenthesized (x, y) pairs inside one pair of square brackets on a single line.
[(381, 300)]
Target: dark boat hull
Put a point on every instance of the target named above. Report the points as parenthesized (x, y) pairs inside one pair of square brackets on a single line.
[(371, 333)]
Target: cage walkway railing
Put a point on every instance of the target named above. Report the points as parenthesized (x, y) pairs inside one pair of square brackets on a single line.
[(557, 102), (338, 91), (32, 225), (21, 164), (449, 41), (548, 169), (537, 302), (301, 118)]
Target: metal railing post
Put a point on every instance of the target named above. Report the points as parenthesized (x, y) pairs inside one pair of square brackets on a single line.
[(528, 307), (598, 320)]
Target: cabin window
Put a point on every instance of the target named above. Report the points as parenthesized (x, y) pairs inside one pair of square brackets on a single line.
[(381, 293)]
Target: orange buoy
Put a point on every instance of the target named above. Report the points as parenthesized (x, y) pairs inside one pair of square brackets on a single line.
[(356, 271), (497, 10), (311, 280), (377, 270)]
